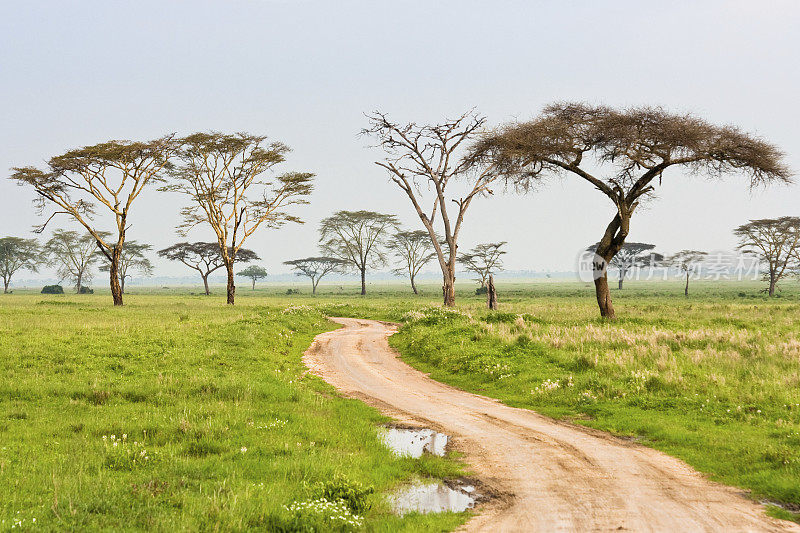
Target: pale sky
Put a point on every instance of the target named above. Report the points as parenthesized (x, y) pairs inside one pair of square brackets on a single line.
[(75, 73)]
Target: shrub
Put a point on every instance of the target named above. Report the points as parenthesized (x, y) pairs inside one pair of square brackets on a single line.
[(352, 493), (53, 289), (292, 291), (481, 290), (85, 290)]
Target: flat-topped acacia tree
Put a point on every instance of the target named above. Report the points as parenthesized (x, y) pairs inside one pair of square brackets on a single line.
[(227, 178), (315, 268), (109, 175), (358, 238), (133, 258), (623, 153), (484, 260), (413, 250), (204, 257), (776, 244), (426, 161), (16, 254)]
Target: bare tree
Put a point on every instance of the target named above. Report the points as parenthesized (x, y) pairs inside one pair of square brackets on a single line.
[(484, 260), (688, 262), (634, 146), (316, 268), (414, 250), (73, 254), (776, 243), (224, 176), (132, 257), (431, 155), (111, 174), (357, 237), (255, 273), (16, 254), (632, 255), (204, 257)]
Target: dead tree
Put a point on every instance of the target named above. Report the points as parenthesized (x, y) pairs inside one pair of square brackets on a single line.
[(491, 293), (634, 147), (422, 158), (776, 243)]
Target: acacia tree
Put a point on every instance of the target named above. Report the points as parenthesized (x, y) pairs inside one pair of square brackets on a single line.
[(358, 238), (432, 155), (254, 272), (316, 268), (632, 147), (112, 175), (224, 175), (73, 254), (688, 262), (414, 250), (484, 260), (632, 255), (203, 257), (132, 257), (16, 254), (776, 243)]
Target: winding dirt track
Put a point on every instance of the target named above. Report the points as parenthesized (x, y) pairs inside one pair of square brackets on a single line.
[(550, 476)]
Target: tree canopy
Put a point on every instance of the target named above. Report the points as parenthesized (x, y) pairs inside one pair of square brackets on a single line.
[(16, 254), (316, 268), (623, 153), (204, 257), (254, 272), (413, 250), (110, 175), (358, 238), (484, 260), (227, 179), (775, 242)]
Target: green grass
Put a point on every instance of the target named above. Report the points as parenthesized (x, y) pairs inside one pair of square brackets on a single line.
[(713, 379), (221, 427)]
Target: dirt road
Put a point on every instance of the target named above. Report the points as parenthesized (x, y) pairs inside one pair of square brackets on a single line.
[(555, 476)]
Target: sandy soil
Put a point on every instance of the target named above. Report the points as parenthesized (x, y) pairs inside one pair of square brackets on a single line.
[(548, 475)]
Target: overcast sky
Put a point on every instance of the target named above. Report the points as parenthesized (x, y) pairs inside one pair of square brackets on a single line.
[(74, 73)]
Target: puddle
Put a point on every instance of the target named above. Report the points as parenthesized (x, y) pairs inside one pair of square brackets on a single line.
[(414, 442), (434, 498)]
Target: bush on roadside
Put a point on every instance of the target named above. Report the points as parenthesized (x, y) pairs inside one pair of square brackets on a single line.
[(53, 289)]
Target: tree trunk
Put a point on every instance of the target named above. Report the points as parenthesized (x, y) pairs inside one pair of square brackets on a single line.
[(414, 286), (122, 284), (619, 284), (449, 290), (205, 283), (363, 281), (686, 289), (231, 285), (491, 294), (604, 297), (254, 284), (113, 272), (771, 284), (314, 286), (78, 283), (6, 281)]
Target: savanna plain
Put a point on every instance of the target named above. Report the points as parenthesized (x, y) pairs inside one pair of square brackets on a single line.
[(177, 412)]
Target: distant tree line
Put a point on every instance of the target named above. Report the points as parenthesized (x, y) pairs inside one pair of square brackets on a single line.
[(231, 185)]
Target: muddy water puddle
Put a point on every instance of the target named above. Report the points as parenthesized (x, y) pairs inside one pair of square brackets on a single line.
[(413, 442), (434, 497)]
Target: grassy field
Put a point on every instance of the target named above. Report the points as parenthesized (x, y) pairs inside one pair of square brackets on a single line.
[(179, 413), (233, 433)]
